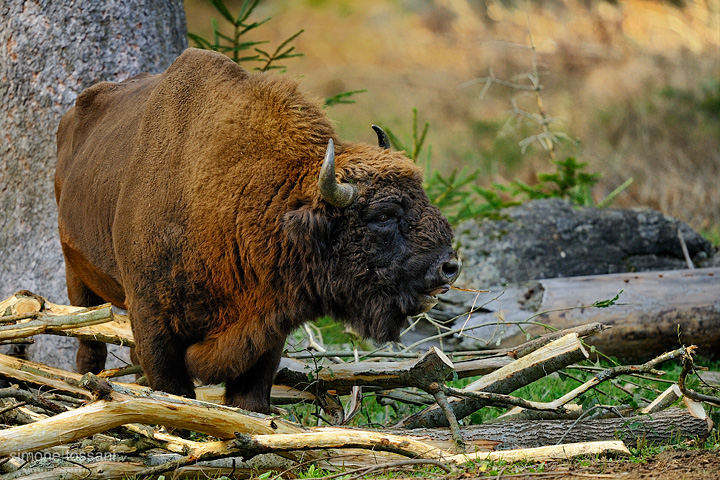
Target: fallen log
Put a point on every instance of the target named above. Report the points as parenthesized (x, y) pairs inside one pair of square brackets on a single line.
[(433, 366), (645, 318), (671, 425)]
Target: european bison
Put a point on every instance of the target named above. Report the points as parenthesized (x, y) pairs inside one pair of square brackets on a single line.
[(196, 200)]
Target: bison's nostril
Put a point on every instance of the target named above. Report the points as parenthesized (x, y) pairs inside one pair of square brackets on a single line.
[(451, 269)]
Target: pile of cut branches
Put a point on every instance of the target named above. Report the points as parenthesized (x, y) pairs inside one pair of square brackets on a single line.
[(59, 423)]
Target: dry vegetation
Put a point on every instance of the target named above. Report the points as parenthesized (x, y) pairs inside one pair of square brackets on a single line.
[(637, 84)]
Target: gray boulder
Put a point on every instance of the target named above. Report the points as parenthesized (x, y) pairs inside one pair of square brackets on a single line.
[(552, 238)]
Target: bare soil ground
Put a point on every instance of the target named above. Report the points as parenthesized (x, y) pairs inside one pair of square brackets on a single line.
[(667, 465)]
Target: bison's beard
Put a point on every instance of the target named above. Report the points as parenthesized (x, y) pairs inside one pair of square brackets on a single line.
[(383, 329), (379, 301), (382, 317)]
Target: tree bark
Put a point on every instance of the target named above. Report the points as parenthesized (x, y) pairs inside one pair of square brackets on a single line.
[(659, 428), (50, 52)]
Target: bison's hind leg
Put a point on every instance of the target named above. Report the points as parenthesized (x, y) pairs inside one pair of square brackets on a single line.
[(91, 355), (251, 390)]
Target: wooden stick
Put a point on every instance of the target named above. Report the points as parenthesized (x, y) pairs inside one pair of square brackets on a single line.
[(664, 400), (552, 357), (117, 332), (22, 302), (32, 399), (332, 438), (582, 331), (91, 471), (547, 453), (383, 375), (688, 366), (39, 374), (121, 371), (63, 380), (442, 402), (403, 445)]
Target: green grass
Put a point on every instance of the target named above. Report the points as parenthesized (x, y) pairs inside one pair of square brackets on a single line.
[(712, 233)]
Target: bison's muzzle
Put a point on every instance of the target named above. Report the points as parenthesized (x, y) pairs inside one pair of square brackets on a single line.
[(441, 275)]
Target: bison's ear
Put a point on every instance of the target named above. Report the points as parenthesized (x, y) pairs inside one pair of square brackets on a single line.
[(307, 229)]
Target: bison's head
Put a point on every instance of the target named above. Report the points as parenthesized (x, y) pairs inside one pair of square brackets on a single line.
[(376, 250)]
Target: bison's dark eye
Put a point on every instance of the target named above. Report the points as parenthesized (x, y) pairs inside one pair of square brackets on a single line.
[(384, 218)]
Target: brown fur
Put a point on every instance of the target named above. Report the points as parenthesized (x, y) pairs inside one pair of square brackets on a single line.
[(190, 198)]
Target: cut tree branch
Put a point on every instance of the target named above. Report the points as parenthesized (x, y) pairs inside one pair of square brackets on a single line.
[(433, 366), (540, 363)]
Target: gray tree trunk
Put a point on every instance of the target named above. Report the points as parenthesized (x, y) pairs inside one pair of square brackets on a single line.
[(49, 52)]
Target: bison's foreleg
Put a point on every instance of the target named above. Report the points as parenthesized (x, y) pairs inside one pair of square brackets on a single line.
[(245, 361), (162, 355), (251, 390)]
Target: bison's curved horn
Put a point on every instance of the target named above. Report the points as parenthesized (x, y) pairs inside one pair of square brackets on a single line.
[(383, 139), (338, 194)]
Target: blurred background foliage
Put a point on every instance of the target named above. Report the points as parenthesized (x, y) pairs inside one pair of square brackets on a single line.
[(630, 89)]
